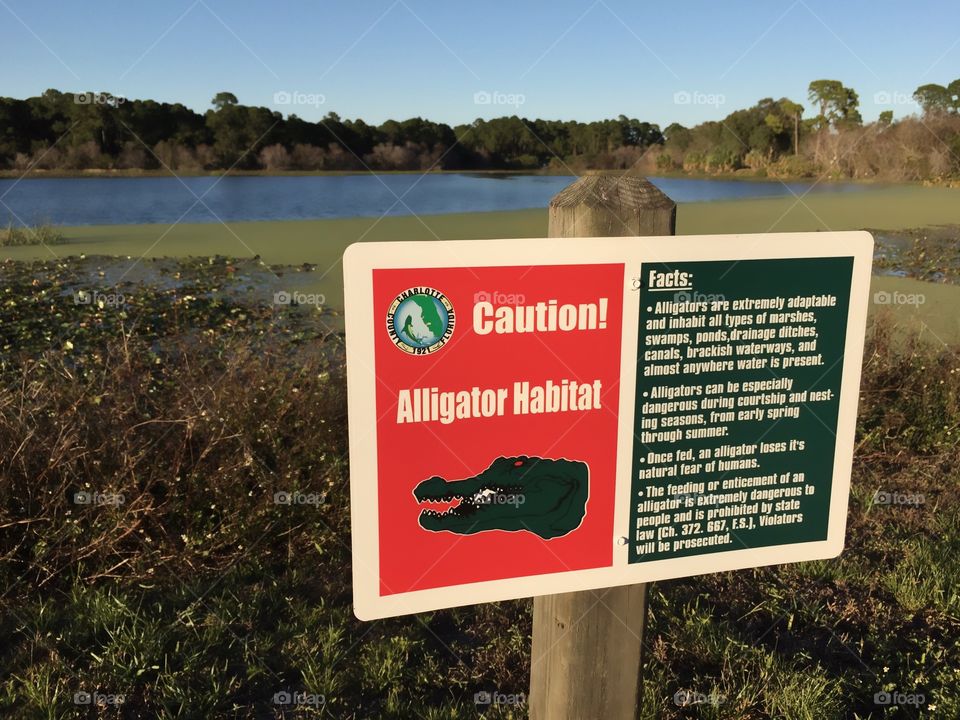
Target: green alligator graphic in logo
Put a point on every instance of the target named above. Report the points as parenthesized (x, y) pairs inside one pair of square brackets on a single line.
[(432, 325), (542, 496)]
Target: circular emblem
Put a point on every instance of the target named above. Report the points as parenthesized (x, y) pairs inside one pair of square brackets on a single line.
[(420, 320)]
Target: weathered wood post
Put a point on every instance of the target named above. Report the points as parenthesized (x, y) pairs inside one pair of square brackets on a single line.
[(587, 646)]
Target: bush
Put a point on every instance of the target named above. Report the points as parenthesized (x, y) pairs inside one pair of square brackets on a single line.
[(694, 161), (722, 159), (43, 234), (528, 162), (275, 157), (795, 166), (665, 162)]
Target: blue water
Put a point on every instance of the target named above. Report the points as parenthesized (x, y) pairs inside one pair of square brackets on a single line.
[(121, 201)]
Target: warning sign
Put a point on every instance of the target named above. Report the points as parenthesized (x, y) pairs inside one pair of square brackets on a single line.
[(541, 416)]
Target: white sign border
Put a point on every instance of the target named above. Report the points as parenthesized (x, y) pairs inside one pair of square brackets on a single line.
[(359, 261)]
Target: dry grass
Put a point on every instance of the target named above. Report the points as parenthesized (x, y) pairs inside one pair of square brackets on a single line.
[(44, 234), (199, 596)]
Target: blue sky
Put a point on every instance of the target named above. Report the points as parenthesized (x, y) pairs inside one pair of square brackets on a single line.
[(454, 61)]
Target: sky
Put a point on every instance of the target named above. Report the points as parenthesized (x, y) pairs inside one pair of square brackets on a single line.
[(454, 61)]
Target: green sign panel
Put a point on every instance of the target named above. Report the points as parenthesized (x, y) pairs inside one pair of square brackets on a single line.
[(739, 367)]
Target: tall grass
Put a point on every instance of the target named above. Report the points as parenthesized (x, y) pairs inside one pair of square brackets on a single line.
[(184, 586), (42, 234)]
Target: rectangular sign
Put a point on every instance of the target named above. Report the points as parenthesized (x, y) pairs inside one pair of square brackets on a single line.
[(538, 416)]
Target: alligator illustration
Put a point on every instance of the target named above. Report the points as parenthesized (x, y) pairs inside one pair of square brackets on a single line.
[(545, 497)]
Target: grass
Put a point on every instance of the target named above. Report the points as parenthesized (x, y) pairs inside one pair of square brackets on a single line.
[(819, 640), (44, 234), (199, 596)]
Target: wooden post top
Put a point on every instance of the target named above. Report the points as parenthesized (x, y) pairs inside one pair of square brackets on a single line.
[(628, 192), (611, 205)]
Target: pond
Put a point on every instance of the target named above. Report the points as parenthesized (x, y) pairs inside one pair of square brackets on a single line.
[(132, 201)]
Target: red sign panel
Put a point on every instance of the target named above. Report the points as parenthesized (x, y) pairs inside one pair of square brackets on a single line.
[(514, 378)]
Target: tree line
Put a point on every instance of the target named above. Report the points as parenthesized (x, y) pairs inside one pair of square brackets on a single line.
[(773, 138), (81, 131), (98, 131)]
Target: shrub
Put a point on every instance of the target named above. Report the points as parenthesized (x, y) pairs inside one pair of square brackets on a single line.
[(665, 162), (44, 234)]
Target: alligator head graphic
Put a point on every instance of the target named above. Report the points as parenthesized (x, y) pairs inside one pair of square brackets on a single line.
[(545, 497)]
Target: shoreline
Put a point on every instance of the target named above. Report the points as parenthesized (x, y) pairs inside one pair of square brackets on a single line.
[(37, 174), (105, 173), (892, 207)]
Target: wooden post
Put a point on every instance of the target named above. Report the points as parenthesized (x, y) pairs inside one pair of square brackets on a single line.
[(587, 646)]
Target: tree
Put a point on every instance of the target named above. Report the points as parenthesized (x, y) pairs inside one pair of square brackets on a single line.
[(933, 98), (838, 105), (886, 118), (824, 93), (794, 111), (224, 99), (837, 108), (239, 131), (678, 136)]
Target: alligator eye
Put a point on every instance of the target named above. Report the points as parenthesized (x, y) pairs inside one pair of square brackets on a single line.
[(518, 463)]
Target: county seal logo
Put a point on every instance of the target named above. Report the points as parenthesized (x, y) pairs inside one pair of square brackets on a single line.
[(420, 320)]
